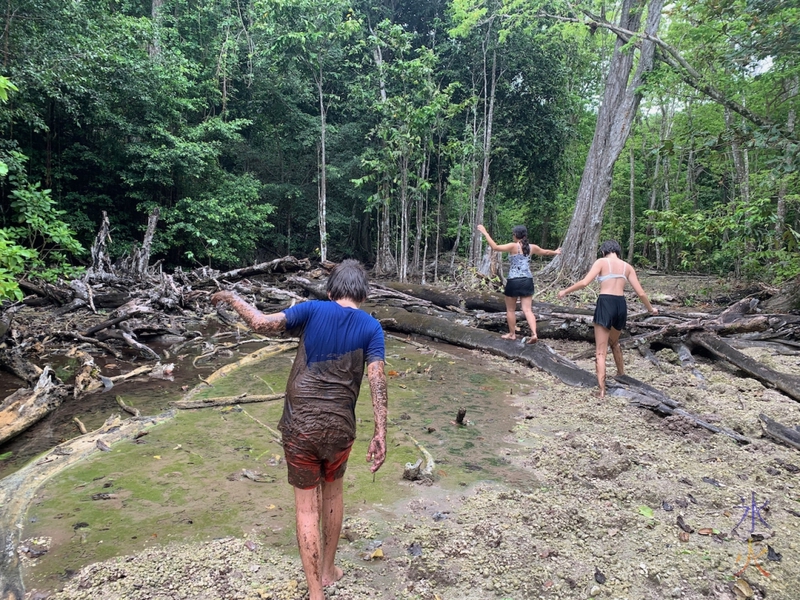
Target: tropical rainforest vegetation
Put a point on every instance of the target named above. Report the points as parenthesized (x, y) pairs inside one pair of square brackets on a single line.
[(386, 131)]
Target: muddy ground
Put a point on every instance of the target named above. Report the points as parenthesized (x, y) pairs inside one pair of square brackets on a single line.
[(547, 492)]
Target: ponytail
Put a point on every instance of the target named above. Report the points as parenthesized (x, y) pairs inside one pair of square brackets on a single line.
[(521, 233)]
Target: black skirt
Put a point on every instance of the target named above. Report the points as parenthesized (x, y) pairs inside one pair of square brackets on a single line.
[(519, 287)]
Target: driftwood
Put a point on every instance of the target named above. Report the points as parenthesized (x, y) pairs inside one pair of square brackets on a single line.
[(101, 266), (279, 265), (140, 260), (123, 313), (781, 433), (12, 360), (26, 406), (224, 401), (643, 395), (18, 490), (79, 424), (252, 358), (87, 340), (687, 360), (128, 409), (788, 384)]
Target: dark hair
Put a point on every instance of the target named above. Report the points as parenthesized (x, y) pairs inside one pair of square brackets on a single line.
[(611, 247), (348, 280), (521, 233)]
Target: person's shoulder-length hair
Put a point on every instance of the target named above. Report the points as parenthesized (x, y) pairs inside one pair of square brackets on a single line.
[(611, 247), (348, 280)]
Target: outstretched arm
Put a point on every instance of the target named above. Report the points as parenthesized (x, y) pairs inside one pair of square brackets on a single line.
[(492, 244), (543, 251), (257, 320), (376, 453), (593, 272), (637, 287)]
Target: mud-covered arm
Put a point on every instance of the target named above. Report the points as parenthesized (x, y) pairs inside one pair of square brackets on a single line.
[(257, 320), (376, 453)]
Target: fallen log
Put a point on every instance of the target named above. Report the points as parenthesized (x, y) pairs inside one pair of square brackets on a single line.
[(143, 349), (781, 433), (687, 360), (18, 490), (132, 311), (45, 290), (788, 384), (26, 406), (88, 340), (643, 395), (787, 299), (131, 410), (539, 355), (784, 347), (279, 265), (12, 361), (492, 302), (252, 358), (138, 371), (224, 401)]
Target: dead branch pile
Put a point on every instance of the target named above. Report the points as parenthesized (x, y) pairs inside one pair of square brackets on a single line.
[(135, 309)]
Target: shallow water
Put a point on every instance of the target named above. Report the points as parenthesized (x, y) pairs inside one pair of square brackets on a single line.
[(184, 482)]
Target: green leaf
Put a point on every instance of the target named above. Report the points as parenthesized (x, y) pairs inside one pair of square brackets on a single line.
[(646, 511)]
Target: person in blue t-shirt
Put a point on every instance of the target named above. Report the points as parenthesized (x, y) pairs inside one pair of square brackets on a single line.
[(318, 423)]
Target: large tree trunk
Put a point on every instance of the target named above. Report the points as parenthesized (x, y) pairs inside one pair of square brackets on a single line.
[(788, 299), (155, 12), (788, 161), (632, 192), (620, 103), (323, 176), (477, 238)]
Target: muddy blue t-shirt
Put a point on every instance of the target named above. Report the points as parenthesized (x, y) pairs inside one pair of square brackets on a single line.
[(323, 385)]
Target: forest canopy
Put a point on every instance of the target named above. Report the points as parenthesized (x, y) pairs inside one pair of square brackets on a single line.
[(386, 131)]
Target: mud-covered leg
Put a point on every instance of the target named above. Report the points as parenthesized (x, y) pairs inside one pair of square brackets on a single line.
[(307, 505), (616, 350), (331, 524), (601, 335)]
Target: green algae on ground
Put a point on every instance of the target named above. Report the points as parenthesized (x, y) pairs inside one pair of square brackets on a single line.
[(184, 481)]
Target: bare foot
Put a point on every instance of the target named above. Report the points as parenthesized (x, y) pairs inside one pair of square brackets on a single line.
[(337, 575), (599, 394), (509, 336), (533, 339)]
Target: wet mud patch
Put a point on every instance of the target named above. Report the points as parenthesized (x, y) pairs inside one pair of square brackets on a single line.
[(219, 473), (575, 497)]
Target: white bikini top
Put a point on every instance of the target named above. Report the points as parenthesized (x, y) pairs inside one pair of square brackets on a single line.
[(614, 275)]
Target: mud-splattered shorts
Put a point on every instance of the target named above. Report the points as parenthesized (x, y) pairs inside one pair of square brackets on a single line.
[(314, 458)]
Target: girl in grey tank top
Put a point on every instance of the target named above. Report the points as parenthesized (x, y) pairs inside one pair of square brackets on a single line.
[(520, 279)]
